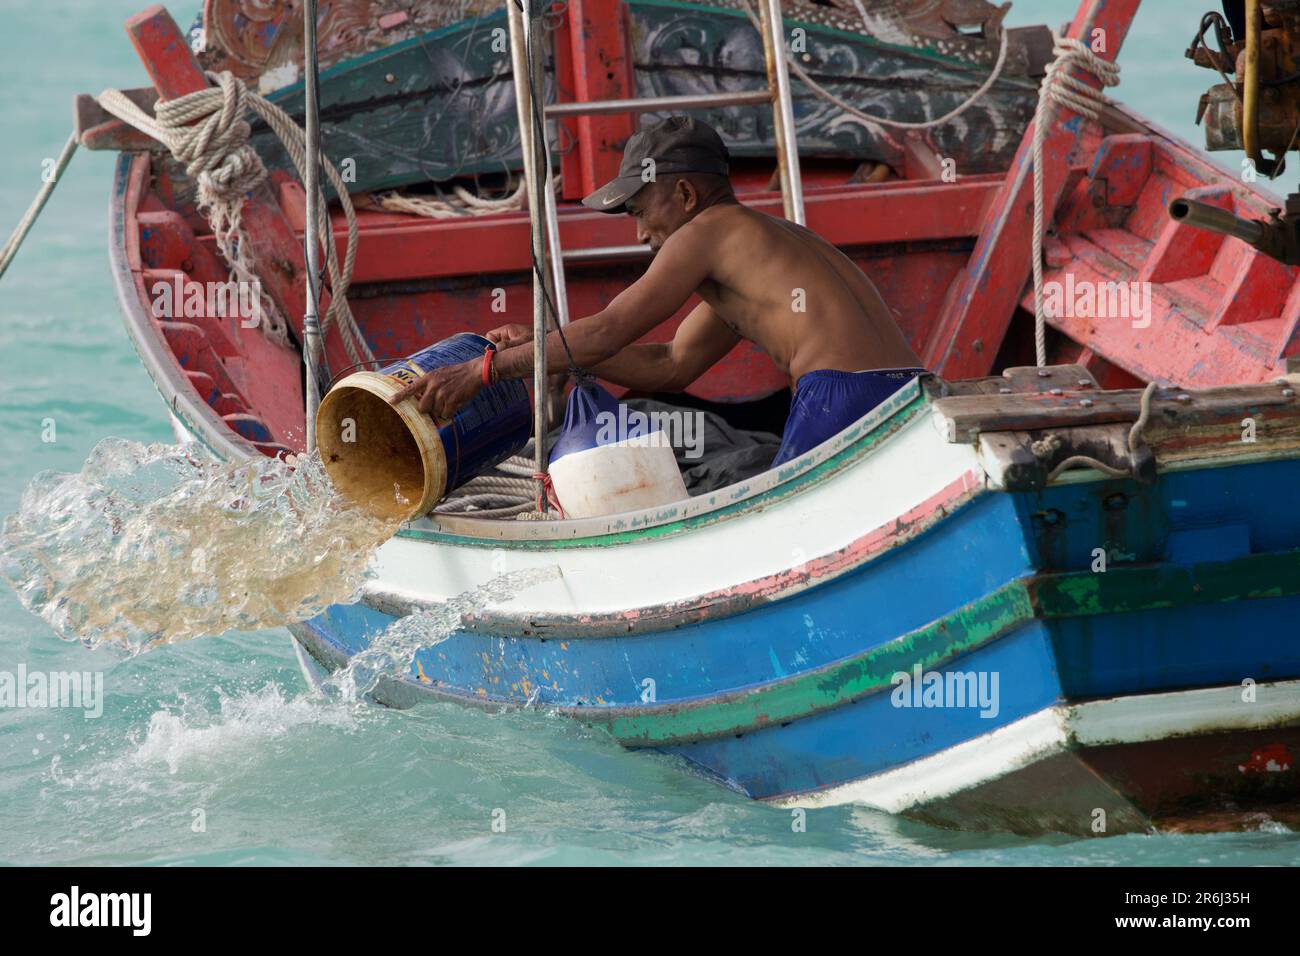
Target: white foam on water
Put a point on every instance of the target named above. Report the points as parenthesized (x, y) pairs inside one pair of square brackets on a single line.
[(151, 544), (245, 722), (187, 737)]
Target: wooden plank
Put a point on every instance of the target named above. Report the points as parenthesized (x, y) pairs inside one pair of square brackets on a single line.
[(599, 57), (964, 417), (98, 129), (396, 248), (1029, 378)]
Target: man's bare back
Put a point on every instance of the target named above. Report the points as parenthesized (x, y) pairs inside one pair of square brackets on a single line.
[(801, 300)]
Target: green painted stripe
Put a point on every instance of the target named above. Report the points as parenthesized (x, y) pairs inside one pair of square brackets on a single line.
[(791, 483), (1151, 587), (834, 685), (1047, 596)]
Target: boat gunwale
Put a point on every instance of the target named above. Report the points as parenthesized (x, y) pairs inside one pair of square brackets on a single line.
[(160, 361)]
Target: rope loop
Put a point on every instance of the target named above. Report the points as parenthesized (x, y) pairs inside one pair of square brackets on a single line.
[(1061, 88), (207, 132)]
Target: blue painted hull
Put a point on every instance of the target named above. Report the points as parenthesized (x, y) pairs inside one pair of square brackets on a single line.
[(1189, 519)]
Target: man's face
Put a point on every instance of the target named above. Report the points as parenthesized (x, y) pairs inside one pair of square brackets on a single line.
[(660, 209)]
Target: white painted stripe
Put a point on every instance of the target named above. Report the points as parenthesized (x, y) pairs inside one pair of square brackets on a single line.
[(1131, 719), (993, 755), (909, 467), (1156, 716)]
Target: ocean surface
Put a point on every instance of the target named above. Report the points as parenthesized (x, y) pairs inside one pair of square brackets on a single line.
[(214, 751)]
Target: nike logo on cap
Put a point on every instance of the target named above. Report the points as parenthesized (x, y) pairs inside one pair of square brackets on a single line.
[(609, 200)]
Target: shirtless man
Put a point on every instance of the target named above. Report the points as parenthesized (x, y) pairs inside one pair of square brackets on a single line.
[(764, 279)]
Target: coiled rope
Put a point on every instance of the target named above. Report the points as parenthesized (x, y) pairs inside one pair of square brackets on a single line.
[(460, 203), (206, 131), (1061, 88)]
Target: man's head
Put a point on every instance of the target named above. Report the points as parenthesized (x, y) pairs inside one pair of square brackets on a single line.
[(671, 171)]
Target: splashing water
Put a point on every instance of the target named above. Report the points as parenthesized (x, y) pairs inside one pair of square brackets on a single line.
[(151, 544), (391, 652)]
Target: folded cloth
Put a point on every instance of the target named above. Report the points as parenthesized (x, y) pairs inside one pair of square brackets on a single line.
[(719, 454), (827, 402)]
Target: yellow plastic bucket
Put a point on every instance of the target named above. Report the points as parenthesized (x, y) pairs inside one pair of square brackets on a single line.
[(397, 462)]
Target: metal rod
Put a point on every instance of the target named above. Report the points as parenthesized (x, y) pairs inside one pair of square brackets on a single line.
[(1250, 85), (34, 210), (535, 169), (556, 251), (1213, 218), (693, 101), (778, 78), (601, 253), (311, 320)]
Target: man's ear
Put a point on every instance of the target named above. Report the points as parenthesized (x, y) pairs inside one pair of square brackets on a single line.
[(687, 193)]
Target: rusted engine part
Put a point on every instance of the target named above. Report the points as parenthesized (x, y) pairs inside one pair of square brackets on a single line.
[(1271, 91)]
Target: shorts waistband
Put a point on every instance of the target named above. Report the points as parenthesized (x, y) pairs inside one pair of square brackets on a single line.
[(891, 373)]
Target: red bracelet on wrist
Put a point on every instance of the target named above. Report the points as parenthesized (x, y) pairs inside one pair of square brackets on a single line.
[(488, 353)]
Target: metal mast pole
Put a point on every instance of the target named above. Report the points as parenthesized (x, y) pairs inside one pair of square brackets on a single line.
[(778, 79), (527, 64), (311, 320)]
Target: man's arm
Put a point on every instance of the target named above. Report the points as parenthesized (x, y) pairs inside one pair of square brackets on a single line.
[(701, 340), (682, 263)]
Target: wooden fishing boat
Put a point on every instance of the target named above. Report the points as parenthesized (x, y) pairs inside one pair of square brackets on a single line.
[(1116, 635)]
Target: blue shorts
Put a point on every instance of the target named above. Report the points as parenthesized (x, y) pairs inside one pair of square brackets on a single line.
[(827, 402)]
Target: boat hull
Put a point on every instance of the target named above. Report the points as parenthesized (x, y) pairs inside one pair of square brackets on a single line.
[(974, 656)]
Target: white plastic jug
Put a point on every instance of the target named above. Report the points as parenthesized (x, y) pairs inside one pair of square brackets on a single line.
[(602, 466)]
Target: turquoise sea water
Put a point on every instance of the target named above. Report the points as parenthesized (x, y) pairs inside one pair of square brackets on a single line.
[(225, 725)]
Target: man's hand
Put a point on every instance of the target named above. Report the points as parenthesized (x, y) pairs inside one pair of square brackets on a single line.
[(444, 391), (508, 336)]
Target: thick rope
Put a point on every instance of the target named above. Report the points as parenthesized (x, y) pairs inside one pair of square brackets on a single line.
[(1061, 88), (461, 203), (818, 90), (1051, 443), (206, 131)]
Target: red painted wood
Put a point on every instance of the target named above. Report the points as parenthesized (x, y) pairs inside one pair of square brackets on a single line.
[(566, 143), (1182, 251), (601, 69), (278, 253), (1257, 290), (965, 340), (396, 248), (1171, 348), (259, 376)]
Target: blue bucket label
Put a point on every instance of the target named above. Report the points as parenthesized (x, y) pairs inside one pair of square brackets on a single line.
[(494, 425)]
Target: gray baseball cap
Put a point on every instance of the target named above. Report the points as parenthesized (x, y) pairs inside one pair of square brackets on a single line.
[(679, 144)]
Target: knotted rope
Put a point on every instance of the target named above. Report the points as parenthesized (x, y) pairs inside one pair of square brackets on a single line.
[(206, 131), (1047, 446), (1061, 88)]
